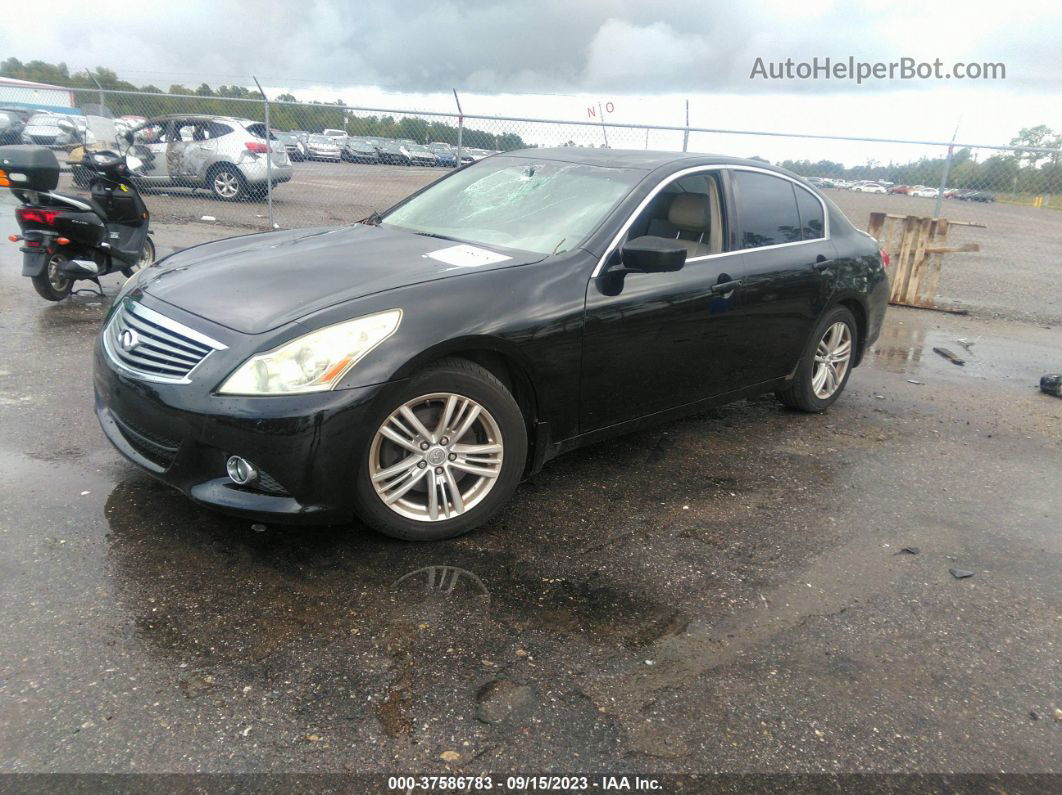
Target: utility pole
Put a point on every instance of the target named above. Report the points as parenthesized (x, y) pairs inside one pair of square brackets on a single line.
[(604, 131)]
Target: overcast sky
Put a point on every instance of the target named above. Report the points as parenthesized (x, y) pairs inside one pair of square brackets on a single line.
[(554, 57)]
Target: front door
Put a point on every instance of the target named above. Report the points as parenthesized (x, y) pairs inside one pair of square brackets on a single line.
[(653, 341)]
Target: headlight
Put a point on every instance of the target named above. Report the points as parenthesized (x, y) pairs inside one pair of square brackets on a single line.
[(130, 283), (314, 362)]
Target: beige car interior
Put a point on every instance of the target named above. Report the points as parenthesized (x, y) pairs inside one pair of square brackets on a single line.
[(692, 216)]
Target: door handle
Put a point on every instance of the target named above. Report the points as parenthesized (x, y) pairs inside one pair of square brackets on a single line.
[(821, 263), (725, 287)]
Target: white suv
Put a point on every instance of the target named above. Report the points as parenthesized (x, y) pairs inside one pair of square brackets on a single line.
[(220, 153)]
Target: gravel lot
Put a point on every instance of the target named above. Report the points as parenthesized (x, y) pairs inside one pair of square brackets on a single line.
[(1015, 275), (725, 593)]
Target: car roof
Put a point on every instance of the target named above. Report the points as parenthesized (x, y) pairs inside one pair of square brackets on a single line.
[(201, 117), (645, 160)]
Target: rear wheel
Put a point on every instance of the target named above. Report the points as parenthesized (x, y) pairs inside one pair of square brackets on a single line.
[(449, 449), (52, 285), (147, 256), (227, 183), (826, 365)]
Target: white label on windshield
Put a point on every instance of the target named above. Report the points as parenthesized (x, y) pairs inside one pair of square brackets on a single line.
[(465, 256)]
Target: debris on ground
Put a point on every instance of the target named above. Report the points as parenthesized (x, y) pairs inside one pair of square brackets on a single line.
[(208, 218), (1058, 714), (961, 574), (912, 381), (967, 344), (259, 528), (1051, 384), (950, 356), (450, 756), (909, 551)]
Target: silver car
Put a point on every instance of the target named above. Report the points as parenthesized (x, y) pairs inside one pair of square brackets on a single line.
[(322, 147), (220, 153), (43, 129)]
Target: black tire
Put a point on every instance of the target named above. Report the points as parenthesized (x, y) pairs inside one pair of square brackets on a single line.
[(49, 285), (235, 187), (147, 256), (464, 378), (800, 393)]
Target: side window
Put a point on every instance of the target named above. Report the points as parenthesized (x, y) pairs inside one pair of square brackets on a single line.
[(687, 210), (812, 225), (150, 134), (766, 208)]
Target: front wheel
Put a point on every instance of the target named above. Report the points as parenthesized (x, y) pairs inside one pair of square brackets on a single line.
[(52, 285), (147, 256), (826, 365), (448, 450)]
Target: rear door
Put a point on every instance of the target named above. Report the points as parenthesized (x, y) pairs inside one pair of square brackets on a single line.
[(787, 278)]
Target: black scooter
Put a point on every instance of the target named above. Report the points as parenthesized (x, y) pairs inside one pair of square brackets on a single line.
[(67, 238)]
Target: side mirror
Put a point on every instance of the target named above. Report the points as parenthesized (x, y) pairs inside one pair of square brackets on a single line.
[(651, 254), (65, 125)]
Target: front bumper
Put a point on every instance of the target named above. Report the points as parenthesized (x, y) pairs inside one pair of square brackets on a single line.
[(307, 447)]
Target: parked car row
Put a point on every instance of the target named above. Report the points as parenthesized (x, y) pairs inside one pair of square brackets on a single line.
[(335, 145), (918, 191)]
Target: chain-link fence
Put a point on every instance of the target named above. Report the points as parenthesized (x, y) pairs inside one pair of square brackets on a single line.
[(205, 159)]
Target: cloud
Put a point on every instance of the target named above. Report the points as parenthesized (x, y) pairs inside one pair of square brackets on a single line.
[(616, 46)]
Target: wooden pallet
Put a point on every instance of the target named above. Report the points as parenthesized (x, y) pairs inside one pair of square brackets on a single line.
[(916, 246)]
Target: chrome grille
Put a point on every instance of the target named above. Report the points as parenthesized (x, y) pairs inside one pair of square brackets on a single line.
[(154, 346)]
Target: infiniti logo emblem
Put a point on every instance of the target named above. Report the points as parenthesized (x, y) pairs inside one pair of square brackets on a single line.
[(128, 339)]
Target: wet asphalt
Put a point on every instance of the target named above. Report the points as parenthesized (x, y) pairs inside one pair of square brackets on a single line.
[(724, 593)]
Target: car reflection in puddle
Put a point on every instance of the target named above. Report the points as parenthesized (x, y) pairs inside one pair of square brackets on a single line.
[(360, 630), (900, 347)]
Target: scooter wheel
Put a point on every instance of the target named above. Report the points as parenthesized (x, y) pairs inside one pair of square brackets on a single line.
[(52, 285), (147, 256)]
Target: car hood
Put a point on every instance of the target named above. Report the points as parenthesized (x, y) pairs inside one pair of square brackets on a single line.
[(255, 283)]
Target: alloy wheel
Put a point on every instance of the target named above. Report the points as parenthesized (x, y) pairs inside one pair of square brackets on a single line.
[(226, 184), (832, 357), (436, 457)]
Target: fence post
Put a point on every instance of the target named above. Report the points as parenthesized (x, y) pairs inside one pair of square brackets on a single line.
[(686, 132), (99, 87), (269, 156), (460, 128), (943, 184)]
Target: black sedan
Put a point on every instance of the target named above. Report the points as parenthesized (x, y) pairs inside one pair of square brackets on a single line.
[(412, 368)]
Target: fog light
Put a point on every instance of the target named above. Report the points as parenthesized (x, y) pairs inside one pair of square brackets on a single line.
[(241, 471)]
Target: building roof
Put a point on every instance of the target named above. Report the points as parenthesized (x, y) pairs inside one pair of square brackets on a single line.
[(11, 81)]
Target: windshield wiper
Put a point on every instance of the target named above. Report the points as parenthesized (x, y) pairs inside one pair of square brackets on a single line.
[(374, 219), (440, 237)]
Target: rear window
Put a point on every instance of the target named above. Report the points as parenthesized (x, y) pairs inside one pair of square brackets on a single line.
[(766, 209), (258, 130), (812, 225)]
